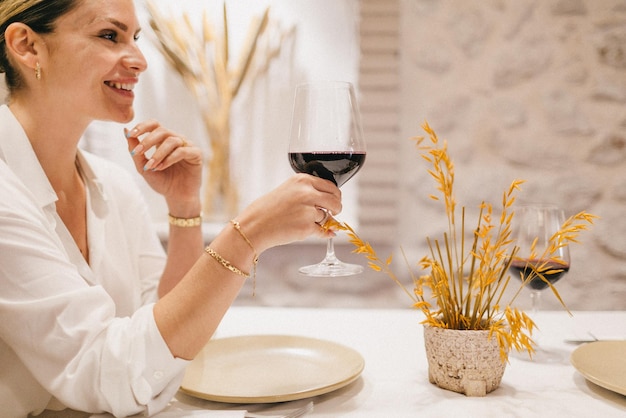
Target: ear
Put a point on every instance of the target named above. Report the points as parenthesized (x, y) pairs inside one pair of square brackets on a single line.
[(23, 45)]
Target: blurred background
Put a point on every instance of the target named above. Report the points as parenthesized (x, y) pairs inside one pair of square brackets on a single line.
[(520, 89)]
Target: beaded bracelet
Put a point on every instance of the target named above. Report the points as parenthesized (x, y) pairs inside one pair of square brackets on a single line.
[(225, 263), (185, 222)]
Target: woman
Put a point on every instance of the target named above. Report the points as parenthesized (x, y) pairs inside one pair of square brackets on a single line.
[(93, 315)]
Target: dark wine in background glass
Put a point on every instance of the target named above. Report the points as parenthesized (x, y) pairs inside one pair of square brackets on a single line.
[(526, 269), (534, 226), (326, 141)]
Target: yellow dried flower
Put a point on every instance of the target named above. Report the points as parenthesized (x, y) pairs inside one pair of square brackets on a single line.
[(467, 282)]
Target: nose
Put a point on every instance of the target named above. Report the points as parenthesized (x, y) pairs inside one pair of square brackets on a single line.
[(135, 60)]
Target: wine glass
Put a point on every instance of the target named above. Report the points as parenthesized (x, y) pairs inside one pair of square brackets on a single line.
[(326, 140), (535, 264)]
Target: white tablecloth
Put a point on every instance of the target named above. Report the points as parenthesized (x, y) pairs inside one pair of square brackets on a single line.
[(395, 380)]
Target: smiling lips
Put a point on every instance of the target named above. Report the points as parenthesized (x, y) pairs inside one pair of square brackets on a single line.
[(120, 86)]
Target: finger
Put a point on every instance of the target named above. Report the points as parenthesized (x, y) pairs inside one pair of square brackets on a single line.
[(325, 194), (325, 186), (191, 155), (149, 134), (324, 215), (161, 141), (324, 232), (143, 128), (141, 145), (168, 152), (328, 202), (134, 147)]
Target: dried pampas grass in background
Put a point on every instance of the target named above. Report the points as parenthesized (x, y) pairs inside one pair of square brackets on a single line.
[(202, 57)]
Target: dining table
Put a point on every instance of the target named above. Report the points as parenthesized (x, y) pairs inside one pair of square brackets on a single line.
[(393, 381)]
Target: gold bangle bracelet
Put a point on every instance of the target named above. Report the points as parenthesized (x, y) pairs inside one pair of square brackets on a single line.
[(225, 263), (185, 222)]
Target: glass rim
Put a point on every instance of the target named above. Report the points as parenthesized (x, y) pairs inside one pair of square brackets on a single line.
[(324, 84), (539, 205)]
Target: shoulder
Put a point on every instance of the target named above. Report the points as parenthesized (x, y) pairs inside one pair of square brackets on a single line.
[(23, 206), (10, 185)]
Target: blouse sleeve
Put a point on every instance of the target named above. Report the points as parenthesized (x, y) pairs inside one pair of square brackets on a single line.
[(65, 331)]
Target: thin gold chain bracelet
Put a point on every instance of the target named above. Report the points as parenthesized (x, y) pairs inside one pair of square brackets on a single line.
[(255, 260), (225, 263)]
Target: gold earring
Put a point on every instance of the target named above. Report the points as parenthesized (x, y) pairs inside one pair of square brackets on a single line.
[(38, 71)]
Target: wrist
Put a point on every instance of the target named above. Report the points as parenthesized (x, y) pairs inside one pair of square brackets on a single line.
[(253, 230), (184, 209), (185, 222)]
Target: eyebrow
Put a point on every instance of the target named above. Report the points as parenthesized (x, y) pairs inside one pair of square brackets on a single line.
[(122, 26), (119, 24)]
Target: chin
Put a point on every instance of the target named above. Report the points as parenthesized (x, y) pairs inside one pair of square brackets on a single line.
[(128, 118), (123, 117)]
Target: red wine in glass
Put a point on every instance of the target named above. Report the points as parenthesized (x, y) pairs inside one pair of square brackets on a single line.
[(337, 167), (528, 271)]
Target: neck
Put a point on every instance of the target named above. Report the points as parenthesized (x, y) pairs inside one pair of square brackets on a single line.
[(54, 139)]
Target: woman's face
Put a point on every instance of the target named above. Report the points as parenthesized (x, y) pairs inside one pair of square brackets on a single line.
[(93, 60)]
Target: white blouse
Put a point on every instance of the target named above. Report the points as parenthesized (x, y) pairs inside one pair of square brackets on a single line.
[(80, 334)]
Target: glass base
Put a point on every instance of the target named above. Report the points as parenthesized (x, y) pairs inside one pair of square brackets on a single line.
[(333, 269)]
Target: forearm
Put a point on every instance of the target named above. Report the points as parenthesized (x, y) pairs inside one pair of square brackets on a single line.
[(189, 314), (184, 246)]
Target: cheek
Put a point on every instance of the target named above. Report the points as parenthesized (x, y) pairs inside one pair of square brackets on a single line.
[(71, 73)]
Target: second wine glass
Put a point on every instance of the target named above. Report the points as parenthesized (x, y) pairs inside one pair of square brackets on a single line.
[(326, 140), (539, 263)]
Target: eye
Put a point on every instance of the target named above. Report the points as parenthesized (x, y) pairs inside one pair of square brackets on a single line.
[(109, 35)]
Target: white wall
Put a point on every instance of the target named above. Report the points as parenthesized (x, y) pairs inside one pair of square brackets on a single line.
[(326, 47)]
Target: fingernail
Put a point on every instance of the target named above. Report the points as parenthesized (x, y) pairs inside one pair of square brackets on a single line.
[(138, 149), (130, 133), (148, 165)]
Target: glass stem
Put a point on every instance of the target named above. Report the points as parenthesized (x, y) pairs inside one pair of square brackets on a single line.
[(535, 300), (330, 252)]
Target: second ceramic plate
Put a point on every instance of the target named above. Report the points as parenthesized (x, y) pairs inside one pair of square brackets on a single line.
[(603, 363)]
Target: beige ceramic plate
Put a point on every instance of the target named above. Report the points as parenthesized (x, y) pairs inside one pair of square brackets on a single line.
[(270, 368), (603, 363)]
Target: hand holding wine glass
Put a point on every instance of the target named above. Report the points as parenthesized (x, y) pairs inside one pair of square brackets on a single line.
[(540, 262), (326, 141)]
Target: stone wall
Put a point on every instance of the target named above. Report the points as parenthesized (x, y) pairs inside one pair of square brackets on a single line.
[(523, 89)]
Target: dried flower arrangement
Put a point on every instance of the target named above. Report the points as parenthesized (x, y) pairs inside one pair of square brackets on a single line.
[(467, 280), (203, 61)]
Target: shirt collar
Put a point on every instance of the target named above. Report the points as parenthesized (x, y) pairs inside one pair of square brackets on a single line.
[(18, 154), (97, 191)]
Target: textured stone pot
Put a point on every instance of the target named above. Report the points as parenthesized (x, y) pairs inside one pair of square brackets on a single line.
[(463, 361)]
